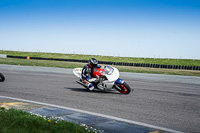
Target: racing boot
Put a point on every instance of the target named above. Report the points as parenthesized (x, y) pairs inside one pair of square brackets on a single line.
[(88, 85), (91, 87)]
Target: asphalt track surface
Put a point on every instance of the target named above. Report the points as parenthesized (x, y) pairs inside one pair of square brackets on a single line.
[(171, 102)]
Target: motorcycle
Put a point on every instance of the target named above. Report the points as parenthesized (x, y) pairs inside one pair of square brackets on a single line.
[(2, 78), (109, 79)]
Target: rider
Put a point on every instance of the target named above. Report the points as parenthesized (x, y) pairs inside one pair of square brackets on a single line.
[(87, 71)]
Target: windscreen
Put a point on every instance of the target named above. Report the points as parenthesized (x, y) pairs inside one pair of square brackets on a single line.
[(108, 70)]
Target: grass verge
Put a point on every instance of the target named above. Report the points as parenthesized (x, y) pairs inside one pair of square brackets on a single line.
[(62, 64), (17, 121), (183, 62)]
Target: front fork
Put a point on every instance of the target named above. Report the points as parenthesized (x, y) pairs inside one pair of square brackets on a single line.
[(119, 81)]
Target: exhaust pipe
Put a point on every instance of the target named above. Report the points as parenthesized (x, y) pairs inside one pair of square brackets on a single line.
[(81, 83)]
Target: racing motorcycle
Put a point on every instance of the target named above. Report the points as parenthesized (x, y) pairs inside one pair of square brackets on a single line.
[(2, 78), (109, 79)]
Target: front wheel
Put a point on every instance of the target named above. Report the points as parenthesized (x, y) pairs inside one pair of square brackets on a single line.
[(123, 88), (2, 78)]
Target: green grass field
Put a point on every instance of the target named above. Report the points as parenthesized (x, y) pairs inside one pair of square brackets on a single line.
[(63, 64)]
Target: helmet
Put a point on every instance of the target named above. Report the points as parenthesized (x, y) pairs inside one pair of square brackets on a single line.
[(93, 62)]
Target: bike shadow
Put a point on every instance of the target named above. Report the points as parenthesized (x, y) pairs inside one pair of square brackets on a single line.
[(94, 91)]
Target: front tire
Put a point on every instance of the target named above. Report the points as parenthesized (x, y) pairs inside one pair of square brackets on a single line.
[(2, 78), (123, 88)]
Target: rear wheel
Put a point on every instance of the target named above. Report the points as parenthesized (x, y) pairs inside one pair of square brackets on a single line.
[(2, 78), (123, 88)]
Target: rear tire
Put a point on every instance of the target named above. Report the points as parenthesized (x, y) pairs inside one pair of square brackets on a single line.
[(124, 88), (2, 78)]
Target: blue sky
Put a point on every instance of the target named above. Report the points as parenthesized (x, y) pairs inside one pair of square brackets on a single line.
[(133, 28)]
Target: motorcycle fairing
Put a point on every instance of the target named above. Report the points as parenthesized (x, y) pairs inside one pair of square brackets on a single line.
[(114, 76), (77, 72)]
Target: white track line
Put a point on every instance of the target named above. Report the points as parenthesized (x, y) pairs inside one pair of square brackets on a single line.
[(97, 114)]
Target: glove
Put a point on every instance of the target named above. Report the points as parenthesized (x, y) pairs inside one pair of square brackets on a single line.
[(92, 80)]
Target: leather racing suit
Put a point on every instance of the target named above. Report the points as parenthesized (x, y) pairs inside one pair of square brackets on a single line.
[(87, 77)]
